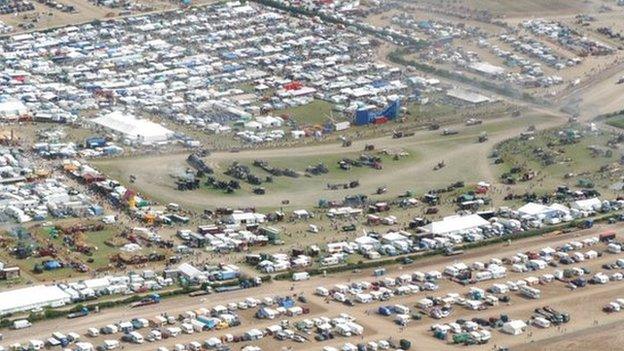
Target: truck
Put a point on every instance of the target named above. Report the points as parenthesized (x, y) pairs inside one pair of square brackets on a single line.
[(21, 324), (83, 312), (561, 317), (150, 300), (227, 274), (607, 236)]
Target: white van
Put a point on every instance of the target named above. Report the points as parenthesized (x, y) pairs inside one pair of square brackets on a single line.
[(111, 344), (109, 329), (35, 345), (93, 332), (187, 328), (137, 338), (174, 332), (321, 291), (298, 276), (21, 324)]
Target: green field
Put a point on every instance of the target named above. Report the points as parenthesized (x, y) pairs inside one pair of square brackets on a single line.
[(430, 111), (558, 162), (96, 239), (299, 164), (316, 112), (616, 121)]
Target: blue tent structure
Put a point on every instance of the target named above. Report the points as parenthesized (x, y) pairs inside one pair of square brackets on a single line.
[(366, 116)]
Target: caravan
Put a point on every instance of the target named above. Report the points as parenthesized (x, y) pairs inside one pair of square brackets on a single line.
[(530, 292)]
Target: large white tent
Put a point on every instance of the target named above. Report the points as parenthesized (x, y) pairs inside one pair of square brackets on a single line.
[(32, 297), (455, 224), (132, 128), (11, 108)]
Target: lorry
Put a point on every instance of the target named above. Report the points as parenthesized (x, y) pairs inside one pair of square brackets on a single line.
[(83, 312), (607, 236), (149, 300)]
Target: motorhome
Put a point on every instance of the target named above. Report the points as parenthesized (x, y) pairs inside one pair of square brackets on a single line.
[(530, 292)]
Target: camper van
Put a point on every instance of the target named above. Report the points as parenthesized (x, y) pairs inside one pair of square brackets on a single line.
[(194, 346), (109, 329), (93, 332), (136, 338), (321, 291), (530, 292), (110, 344), (21, 324), (187, 328), (298, 276), (35, 345), (84, 346)]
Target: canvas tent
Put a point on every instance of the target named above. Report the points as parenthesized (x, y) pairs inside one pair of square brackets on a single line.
[(455, 224), (132, 128), (11, 109), (32, 297)]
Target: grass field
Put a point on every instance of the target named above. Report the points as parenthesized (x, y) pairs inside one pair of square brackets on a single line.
[(96, 239), (284, 184), (616, 121), (430, 112), (516, 8), (576, 160), (316, 112)]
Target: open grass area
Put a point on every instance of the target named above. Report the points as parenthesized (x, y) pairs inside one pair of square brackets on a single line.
[(103, 251), (98, 259), (430, 112), (335, 175), (616, 121), (558, 161), (316, 112)]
